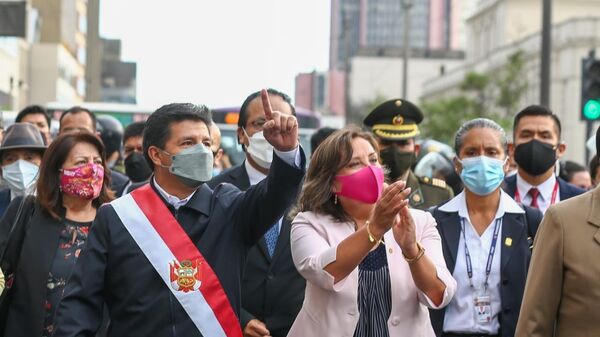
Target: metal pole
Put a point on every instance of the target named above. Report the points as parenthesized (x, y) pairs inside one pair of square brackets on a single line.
[(546, 53), (406, 5)]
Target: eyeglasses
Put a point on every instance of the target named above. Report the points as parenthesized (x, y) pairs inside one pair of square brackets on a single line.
[(258, 124)]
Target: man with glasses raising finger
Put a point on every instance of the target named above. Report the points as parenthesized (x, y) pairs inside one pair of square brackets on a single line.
[(272, 289), (395, 126)]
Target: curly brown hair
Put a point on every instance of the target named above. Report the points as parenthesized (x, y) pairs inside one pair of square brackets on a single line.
[(49, 195), (333, 154)]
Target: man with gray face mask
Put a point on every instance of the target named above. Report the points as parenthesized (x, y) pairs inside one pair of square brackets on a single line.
[(168, 257), (21, 154), (272, 289)]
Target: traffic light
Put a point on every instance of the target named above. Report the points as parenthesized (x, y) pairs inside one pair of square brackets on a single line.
[(590, 89)]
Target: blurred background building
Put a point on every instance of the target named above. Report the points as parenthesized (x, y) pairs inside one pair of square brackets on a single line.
[(55, 54)]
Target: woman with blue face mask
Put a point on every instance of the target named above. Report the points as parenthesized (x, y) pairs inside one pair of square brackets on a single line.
[(486, 238)]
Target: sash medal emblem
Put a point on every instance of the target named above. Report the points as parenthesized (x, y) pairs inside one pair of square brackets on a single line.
[(186, 276)]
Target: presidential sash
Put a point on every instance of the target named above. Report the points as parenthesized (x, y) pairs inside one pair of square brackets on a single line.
[(178, 262)]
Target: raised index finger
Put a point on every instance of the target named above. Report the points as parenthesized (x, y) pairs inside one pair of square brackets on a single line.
[(266, 104)]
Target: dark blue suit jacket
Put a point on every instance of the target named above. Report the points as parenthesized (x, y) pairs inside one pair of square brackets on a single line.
[(223, 224), (272, 288), (514, 261), (565, 189)]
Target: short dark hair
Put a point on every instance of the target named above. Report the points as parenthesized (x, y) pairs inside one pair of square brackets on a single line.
[(158, 125), (78, 109), (49, 195), (32, 110), (536, 110), (135, 129), (243, 115), (569, 168), (319, 136)]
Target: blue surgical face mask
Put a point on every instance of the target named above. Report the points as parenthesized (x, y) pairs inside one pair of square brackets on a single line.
[(482, 175)]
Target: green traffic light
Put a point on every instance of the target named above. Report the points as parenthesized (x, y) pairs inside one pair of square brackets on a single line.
[(591, 110)]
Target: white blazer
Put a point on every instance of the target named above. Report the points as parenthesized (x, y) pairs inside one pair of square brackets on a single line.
[(331, 309)]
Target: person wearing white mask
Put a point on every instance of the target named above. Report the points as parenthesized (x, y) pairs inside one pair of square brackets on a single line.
[(21, 154), (272, 288), (486, 238)]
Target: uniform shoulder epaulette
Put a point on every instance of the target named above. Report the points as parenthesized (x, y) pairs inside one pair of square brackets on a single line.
[(433, 181)]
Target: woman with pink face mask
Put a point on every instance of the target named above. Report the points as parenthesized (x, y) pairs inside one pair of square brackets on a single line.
[(373, 266), (41, 237)]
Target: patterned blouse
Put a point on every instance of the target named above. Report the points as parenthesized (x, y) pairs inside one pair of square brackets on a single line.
[(71, 241), (374, 295)]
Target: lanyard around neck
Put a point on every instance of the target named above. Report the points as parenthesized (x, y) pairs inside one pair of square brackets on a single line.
[(488, 266)]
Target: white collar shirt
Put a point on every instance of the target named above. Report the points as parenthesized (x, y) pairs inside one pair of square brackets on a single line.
[(546, 190), (171, 199), (460, 313)]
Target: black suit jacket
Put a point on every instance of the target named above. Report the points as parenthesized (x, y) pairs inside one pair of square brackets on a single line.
[(35, 256), (514, 261), (565, 189), (272, 288), (118, 182), (223, 224), (4, 200)]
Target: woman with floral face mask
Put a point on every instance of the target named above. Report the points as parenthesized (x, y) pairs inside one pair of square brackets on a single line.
[(48, 232), (486, 238), (372, 265)]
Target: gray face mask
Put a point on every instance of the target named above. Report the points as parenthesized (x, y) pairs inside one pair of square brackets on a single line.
[(193, 165)]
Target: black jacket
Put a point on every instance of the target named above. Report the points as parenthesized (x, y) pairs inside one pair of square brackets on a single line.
[(35, 256), (223, 223), (514, 261), (118, 182), (272, 289), (565, 189), (4, 200)]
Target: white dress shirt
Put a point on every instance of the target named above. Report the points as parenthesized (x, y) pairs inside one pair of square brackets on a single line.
[(544, 198), (460, 313), (289, 157)]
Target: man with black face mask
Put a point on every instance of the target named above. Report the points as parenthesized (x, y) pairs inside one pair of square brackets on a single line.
[(536, 148), (395, 125), (136, 166)]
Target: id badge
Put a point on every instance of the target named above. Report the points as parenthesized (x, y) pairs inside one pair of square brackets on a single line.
[(483, 309)]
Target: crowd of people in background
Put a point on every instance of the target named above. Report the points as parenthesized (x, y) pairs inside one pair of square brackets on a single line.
[(148, 230)]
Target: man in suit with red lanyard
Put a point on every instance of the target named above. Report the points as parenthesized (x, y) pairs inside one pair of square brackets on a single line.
[(536, 149), (167, 258)]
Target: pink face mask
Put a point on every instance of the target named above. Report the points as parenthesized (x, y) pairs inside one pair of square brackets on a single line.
[(84, 181), (365, 185)]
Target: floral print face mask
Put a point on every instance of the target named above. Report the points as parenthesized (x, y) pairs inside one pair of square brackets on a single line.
[(84, 181)]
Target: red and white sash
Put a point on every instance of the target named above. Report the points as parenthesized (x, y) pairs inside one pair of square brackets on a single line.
[(178, 262)]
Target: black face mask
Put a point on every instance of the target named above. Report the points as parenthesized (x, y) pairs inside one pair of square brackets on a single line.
[(136, 167), (535, 157), (398, 162)]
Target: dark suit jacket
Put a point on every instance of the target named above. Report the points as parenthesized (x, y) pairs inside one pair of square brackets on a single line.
[(4, 200), (223, 224), (272, 289), (565, 189), (118, 182), (514, 261), (35, 257)]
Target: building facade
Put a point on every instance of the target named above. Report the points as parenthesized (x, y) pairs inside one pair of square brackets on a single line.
[(571, 42)]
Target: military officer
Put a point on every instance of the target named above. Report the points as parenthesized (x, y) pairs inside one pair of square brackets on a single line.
[(395, 125)]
